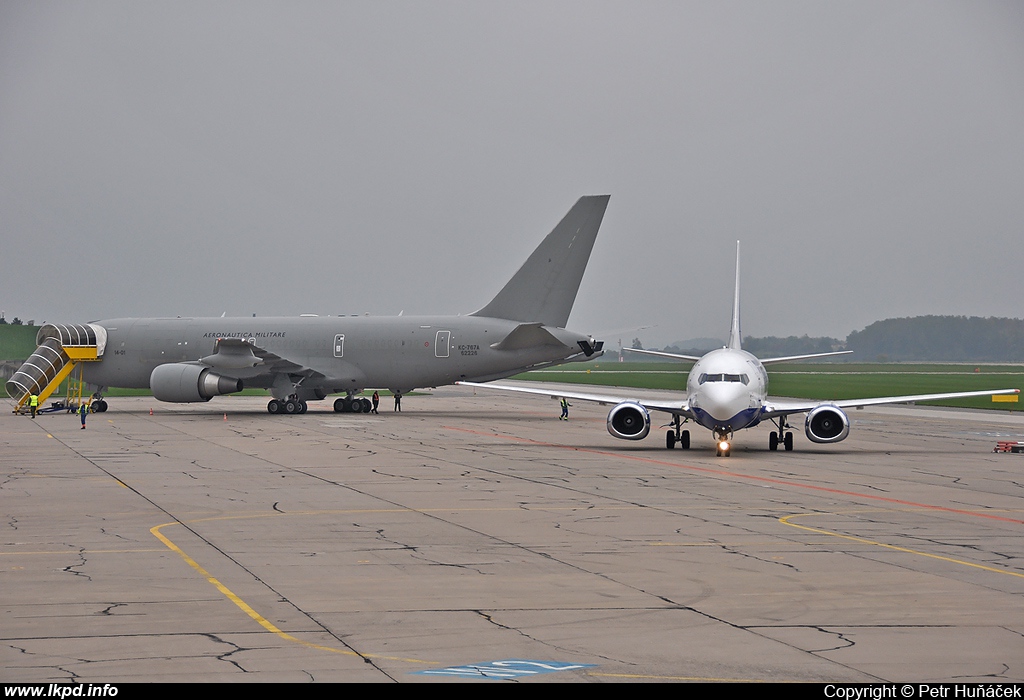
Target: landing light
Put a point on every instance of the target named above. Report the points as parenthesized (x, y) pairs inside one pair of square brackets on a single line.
[(723, 445)]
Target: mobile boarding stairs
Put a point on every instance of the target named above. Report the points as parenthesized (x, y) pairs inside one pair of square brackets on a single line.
[(61, 349)]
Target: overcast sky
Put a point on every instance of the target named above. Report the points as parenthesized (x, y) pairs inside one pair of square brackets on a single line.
[(195, 158)]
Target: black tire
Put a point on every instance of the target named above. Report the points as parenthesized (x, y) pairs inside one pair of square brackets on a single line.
[(291, 407), (684, 440), (670, 439), (773, 441), (367, 406), (275, 407), (789, 442), (355, 405), (339, 405), (302, 407)]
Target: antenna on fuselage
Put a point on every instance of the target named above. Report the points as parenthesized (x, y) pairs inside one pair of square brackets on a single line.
[(734, 334)]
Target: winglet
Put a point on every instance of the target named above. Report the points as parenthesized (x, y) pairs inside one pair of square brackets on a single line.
[(544, 289), (735, 338)]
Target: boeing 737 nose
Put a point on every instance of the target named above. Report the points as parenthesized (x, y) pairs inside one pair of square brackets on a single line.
[(724, 405)]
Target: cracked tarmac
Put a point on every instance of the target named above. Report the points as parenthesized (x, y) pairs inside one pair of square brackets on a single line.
[(472, 528)]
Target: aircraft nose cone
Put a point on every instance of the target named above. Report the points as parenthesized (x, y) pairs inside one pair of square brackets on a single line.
[(724, 400)]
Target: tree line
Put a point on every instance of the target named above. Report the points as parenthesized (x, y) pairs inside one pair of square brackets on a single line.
[(918, 338)]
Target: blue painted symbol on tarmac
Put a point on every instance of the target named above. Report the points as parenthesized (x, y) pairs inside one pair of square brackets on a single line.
[(509, 668)]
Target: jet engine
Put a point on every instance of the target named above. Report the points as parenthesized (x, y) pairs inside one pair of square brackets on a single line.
[(184, 383), (827, 424), (629, 421)]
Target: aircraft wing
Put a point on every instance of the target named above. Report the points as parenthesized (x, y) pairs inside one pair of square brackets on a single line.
[(785, 407), (242, 358), (678, 408)]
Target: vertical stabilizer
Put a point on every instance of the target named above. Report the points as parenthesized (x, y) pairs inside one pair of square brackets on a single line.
[(544, 288), (735, 337)]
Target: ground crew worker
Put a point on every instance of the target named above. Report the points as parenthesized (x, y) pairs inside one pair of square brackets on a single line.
[(376, 400), (565, 409), (33, 404), (83, 410), (398, 402)]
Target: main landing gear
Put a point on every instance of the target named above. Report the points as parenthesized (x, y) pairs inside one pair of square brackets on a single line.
[(783, 436), (353, 404), (676, 435), (291, 405)]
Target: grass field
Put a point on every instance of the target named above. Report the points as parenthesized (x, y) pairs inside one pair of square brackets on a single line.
[(17, 342), (831, 381)]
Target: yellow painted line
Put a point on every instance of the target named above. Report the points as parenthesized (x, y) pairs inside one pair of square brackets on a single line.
[(786, 521), (248, 610)]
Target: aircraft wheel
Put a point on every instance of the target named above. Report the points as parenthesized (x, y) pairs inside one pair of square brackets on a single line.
[(99, 406), (773, 441), (684, 440), (355, 405), (367, 406), (291, 406), (789, 442), (670, 439), (275, 406), (302, 406), (339, 405)]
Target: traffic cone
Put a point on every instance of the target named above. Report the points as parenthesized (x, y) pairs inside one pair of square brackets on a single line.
[(151, 411), (225, 416)]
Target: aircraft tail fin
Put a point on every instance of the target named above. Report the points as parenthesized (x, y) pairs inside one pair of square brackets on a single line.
[(735, 338), (544, 289)]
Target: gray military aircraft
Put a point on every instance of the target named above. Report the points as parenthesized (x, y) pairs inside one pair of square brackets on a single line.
[(301, 359)]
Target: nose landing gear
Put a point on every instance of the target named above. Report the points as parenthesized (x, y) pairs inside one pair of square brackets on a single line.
[(723, 443)]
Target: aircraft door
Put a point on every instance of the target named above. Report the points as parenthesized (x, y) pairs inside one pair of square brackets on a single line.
[(442, 343)]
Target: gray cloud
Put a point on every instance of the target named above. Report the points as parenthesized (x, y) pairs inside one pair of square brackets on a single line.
[(282, 158)]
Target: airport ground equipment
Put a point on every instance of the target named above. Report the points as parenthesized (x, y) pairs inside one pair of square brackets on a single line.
[(1009, 446), (61, 348)]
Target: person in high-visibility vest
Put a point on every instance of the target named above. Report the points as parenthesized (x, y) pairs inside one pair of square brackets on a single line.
[(33, 404), (565, 409), (83, 411)]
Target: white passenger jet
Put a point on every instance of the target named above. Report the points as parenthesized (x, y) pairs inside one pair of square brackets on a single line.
[(726, 391)]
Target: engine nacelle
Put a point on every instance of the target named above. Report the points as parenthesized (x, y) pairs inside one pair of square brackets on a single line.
[(827, 424), (184, 383), (629, 421)]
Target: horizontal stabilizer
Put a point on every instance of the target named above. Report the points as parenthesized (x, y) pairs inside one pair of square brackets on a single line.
[(670, 355), (527, 335), (797, 358)]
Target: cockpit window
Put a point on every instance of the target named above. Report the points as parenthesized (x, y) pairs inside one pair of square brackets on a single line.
[(741, 378)]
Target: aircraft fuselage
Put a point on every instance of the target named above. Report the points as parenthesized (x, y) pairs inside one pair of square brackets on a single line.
[(727, 389), (352, 353)]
